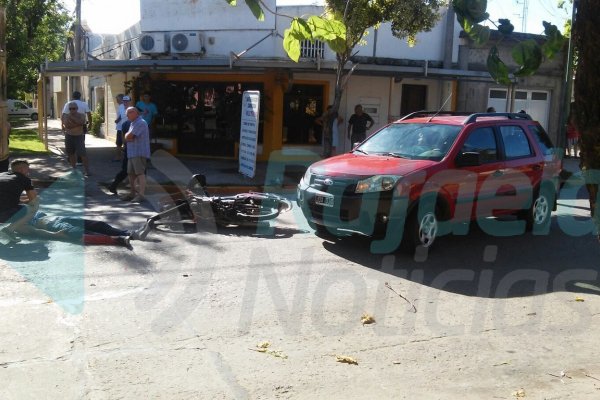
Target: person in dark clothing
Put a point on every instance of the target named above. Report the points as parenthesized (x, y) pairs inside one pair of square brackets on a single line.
[(73, 229), (12, 210), (358, 124), (122, 174), (4, 162)]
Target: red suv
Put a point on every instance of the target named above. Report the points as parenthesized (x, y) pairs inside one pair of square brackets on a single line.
[(431, 174)]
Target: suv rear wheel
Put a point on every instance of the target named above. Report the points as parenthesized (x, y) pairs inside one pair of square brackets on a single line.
[(538, 217)]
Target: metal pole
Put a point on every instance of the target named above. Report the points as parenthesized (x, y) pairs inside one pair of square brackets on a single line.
[(77, 55)]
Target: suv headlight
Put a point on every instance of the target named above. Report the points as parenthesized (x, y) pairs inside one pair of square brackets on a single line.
[(377, 183)]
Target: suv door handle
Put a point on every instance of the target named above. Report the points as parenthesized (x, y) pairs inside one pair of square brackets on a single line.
[(498, 172), (536, 167)]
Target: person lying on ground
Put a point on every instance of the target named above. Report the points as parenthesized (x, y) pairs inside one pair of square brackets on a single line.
[(15, 209), (74, 229)]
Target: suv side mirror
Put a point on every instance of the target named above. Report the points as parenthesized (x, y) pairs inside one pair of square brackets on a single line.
[(468, 159)]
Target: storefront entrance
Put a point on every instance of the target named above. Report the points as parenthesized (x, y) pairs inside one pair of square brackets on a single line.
[(301, 105), (201, 118)]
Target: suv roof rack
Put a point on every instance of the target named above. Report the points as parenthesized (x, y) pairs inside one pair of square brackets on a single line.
[(423, 113), (473, 117)]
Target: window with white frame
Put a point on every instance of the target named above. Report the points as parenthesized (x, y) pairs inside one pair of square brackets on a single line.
[(312, 49)]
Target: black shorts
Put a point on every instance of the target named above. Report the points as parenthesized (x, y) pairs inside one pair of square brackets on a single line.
[(13, 214), (75, 144)]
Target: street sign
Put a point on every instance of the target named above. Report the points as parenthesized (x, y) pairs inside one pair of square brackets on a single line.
[(249, 132)]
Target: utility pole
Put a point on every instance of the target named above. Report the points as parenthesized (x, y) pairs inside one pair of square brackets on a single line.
[(3, 110), (523, 14), (76, 81)]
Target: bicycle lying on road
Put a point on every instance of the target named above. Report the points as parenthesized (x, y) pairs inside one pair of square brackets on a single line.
[(196, 206)]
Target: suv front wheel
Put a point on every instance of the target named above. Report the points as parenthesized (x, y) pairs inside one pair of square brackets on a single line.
[(422, 226)]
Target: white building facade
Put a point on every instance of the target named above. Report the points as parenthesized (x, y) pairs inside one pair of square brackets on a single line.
[(195, 59)]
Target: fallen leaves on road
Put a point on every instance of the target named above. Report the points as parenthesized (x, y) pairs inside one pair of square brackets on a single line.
[(346, 360), (263, 347), (579, 299), (387, 285), (367, 319), (519, 393)]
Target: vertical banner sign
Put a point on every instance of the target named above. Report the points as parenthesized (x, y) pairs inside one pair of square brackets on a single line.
[(249, 132)]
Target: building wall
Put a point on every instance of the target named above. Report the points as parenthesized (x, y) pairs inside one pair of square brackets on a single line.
[(185, 15), (473, 94), (224, 29)]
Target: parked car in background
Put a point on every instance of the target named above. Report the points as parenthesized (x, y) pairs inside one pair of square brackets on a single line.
[(431, 174), (19, 108)]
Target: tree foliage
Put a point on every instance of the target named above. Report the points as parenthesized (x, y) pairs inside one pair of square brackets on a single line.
[(36, 31), (528, 54), (344, 25)]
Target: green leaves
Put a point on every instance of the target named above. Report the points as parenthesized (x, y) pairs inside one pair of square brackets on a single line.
[(473, 11), (469, 14), (331, 31), (528, 54), (496, 67), (505, 27), (35, 31), (255, 7), (555, 41), (298, 31)]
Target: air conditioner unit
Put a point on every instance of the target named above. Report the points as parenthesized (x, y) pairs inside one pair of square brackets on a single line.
[(153, 43), (186, 42)]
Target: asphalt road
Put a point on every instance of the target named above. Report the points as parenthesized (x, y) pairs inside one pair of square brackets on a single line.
[(187, 315)]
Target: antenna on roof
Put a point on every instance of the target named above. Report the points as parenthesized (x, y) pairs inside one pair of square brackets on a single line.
[(440, 110)]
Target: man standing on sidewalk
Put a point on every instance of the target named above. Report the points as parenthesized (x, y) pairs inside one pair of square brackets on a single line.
[(138, 152), (358, 124), (82, 107), (73, 126)]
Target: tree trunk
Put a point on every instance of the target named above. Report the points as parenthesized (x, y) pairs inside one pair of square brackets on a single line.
[(586, 31)]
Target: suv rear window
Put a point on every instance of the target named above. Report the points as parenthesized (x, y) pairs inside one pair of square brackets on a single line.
[(542, 140), (515, 141)]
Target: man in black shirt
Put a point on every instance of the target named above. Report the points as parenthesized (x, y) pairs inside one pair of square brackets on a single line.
[(12, 210), (358, 124)]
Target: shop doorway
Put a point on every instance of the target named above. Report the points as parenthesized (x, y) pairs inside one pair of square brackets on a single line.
[(301, 106), (202, 118), (414, 98)]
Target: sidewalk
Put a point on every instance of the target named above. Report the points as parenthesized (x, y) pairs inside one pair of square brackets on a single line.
[(221, 174)]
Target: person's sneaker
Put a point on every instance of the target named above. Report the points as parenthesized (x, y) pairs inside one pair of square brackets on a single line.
[(137, 199), (124, 241), (141, 233), (112, 189), (9, 236)]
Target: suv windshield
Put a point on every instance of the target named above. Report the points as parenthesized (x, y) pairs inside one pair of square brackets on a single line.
[(414, 141)]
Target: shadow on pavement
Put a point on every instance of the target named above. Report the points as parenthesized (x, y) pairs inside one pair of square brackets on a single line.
[(24, 252), (482, 265)]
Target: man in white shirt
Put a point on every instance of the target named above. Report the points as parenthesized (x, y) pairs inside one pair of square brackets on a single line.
[(124, 102), (82, 107)]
